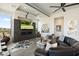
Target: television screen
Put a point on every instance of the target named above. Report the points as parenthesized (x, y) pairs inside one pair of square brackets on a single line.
[(26, 25)]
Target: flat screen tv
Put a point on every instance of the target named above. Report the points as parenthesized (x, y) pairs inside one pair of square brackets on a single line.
[(26, 25)]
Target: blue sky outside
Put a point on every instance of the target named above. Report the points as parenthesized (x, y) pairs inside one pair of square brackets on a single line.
[(5, 21)]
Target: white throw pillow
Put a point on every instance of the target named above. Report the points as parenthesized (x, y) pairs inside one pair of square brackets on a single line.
[(54, 45), (47, 46), (61, 38)]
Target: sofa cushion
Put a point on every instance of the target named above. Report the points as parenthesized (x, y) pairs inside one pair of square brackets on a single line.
[(61, 52), (69, 41), (75, 45), (62, 44), (40, 52)]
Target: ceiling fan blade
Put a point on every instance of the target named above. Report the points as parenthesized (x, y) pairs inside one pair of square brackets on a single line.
[(71, 4), (56, 10), (63, 9), (54, 6), (62, 4)]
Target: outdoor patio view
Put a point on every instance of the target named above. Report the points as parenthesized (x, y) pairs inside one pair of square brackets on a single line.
[(5, 25)]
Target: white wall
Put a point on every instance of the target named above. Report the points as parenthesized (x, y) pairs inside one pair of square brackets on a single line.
[(43, 20), (70, 14)]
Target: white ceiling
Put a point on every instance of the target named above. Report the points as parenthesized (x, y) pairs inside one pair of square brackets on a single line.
[(45, 7), (12, 7), (26, 8), (9, 7)]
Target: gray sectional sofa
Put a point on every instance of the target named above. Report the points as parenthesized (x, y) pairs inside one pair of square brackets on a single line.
[(67, 47)]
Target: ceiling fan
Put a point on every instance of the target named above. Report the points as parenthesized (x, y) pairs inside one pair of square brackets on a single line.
[(62, 6)]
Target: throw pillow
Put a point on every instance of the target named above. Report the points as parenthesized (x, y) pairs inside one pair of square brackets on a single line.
[(48, 45), (61, 38), (54, 45)]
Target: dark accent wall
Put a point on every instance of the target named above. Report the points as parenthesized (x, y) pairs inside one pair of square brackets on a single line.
[(16, 30), (22, 34)]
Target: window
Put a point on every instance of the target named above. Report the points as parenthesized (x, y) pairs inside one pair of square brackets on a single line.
[(5, 24)]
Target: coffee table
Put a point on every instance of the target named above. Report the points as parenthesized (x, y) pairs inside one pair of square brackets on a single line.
[(40, 44)]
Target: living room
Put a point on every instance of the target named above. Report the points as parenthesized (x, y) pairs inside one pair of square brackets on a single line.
[(30, 23)]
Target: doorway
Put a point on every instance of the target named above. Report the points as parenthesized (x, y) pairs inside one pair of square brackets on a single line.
[(59, 26)]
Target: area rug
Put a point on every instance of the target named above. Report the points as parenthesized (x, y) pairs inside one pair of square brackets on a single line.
[(23, 44)]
